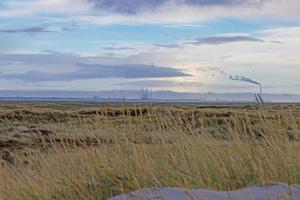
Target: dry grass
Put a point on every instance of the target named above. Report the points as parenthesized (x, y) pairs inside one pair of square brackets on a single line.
[(97, 152)]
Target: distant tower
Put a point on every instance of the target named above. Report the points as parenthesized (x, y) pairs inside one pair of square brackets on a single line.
[(146, 94)]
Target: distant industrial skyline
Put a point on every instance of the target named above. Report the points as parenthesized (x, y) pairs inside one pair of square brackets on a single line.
[(143, 95), (194, 46)]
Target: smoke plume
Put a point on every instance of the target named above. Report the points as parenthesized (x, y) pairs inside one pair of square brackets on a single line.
[(244, 79)]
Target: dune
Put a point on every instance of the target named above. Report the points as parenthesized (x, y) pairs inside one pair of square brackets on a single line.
[(275, 191)]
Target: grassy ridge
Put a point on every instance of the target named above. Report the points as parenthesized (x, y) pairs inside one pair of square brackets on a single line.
[(102, 151)]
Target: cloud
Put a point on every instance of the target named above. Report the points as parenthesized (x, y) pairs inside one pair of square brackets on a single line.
[(132, 70), (135, 6), (208, 69), (118, 48), (98, 71), (172, 12), (34, 7), (36, 29), (265, 62), (42, 59), (158, 83), (169, 46), (215, 40), (126, 6), (222, 40), (166, 12)]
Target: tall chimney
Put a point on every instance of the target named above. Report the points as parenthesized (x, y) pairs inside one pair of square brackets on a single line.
[(260, 89)]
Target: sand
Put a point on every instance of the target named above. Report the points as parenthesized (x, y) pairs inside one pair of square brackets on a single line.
[(276, 191)]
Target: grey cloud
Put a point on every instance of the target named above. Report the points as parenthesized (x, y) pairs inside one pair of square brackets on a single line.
[(153, 83), (215, 40), (169, 46), (226, 57), (94, 71), (134, 6), (222, 40), (132, 70), (208, 69), (126, 6), (276, 42), (118, 48), (26, 30), (36, 29), (47, 58)]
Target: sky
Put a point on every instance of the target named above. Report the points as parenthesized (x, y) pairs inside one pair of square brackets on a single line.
[(178, 45)]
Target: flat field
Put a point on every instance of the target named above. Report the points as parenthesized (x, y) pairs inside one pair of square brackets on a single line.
[(96, 151)]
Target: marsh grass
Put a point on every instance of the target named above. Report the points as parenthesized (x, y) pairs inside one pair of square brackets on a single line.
[(222, 149)]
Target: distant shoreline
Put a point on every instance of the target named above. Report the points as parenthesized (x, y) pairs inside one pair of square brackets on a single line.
[(136, 96), (132, 101)]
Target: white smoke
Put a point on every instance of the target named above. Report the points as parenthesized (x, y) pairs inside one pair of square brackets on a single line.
[(239, 78), (243, 79)]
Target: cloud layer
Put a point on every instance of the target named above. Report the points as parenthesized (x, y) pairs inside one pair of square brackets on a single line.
[(186, 11), (106, 12), (88, 71)]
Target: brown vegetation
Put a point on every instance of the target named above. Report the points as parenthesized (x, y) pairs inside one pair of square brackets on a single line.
[(88, 151)]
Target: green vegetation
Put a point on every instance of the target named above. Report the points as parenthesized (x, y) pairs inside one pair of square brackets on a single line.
[(88, 151)]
